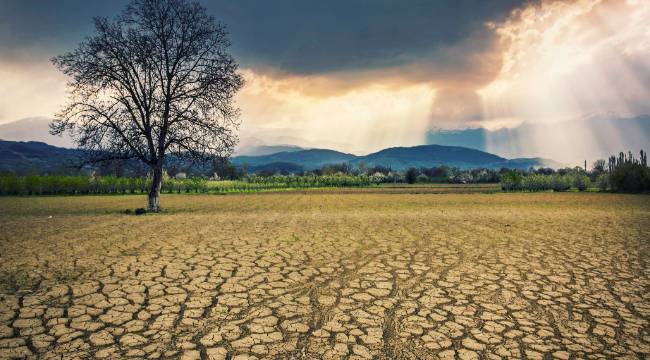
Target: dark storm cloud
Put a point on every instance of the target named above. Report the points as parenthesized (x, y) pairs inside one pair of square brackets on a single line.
[(296, 36), (46, 26), (316, 36)]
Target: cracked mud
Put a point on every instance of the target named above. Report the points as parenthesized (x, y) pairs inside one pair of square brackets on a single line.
[(356, 276)]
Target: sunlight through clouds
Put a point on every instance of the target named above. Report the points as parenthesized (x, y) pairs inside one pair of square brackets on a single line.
[(566, 61), (359, 120)]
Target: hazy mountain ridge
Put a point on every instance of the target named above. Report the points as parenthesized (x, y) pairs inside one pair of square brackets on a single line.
[(590, 138), (570, 141), (25, 157), (267, 150), (397, 158), (33, 129), (308, 159), (425, 155)]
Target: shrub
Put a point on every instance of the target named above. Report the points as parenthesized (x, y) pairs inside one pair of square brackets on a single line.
[(561, 182), (602, 181), (422, 178), (536, 182), (511, 181), (411, 175), (581, 182)]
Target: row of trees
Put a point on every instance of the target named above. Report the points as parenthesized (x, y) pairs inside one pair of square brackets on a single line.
[(312, 180), (517, 181), (11, 184), (622, 173), (383, 174), (628, 174)]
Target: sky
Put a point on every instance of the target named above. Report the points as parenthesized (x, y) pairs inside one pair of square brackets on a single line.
[(360, 75)]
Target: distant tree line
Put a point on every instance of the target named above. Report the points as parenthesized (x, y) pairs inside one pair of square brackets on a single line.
[(383, 174), (622, 173)]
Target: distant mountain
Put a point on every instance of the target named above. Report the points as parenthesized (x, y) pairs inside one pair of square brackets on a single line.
[(576, 140), (308, 159), (398, 158), (526, 163), (268, 150), (430, 155), (571, 142), (33, 129), (34, 156)]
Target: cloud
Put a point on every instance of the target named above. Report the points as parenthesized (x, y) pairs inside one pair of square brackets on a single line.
[(304, 37), (48, 26), (565, 60), (30, 87), (569, 61), (364, 75), (299, 37), (362, 119)]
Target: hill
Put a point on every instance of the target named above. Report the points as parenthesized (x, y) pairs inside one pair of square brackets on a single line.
[(574, 140), (397, 158), (33, 129), (429, 156), (261, 150), (307, 159), (34, 156)]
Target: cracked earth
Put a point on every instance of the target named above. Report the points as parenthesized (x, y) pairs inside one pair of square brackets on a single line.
[(326, 276)]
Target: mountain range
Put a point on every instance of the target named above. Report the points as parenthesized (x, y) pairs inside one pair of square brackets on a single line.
[(397, 158), (571, 141), (520, 147), (25, 157)]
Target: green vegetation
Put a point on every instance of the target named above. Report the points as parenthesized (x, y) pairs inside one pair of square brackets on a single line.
[(627, 174), (518, 181), (623, 174), (77, 185)]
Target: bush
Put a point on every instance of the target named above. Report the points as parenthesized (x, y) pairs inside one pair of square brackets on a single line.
[(411, 175), (511, 181), (602, 181), (536, 182), (422, 178), (561, 182), (581, 182)]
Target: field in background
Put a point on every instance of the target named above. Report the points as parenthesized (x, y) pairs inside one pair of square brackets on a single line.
[(327, 275)]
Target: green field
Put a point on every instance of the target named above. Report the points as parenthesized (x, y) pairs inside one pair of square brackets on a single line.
[(394, 272)]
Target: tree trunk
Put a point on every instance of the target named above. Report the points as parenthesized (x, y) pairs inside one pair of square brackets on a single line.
[(154, 193)]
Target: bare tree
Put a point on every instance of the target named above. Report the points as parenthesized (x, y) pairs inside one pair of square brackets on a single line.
[(155, 81)]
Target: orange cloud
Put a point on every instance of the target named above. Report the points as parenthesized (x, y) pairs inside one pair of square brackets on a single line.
[(359, 119)]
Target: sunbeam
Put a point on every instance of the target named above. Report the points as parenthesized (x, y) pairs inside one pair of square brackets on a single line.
[(566, 61)]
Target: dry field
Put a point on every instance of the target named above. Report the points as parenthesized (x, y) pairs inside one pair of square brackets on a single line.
[(327, 275)]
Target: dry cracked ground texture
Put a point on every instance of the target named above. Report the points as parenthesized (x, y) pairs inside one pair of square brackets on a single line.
[(328, 276)]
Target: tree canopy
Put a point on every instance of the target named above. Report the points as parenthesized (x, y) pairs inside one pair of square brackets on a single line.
[(156, 80)]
